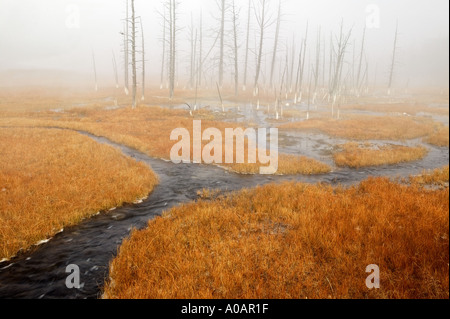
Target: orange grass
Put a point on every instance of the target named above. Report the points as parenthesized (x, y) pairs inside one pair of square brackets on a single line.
[(370, 127), (355, 155), (437, 177), (440, 138), (292, 241), (51, 179), (148, 130)]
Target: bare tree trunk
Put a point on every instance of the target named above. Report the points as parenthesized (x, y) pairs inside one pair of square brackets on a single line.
[(358, 77), (291, 78), (133, 55), (143, 60), (247, 44), (95, 71), (275, 48), (262, 23), (340, 54), (235, 48), (200, 65), (193, 39), (297, 78), (302, 71), (126, 53), (116, 75), (173, 31), (222, 6), (391, 73), (317, 71), (164, 49)]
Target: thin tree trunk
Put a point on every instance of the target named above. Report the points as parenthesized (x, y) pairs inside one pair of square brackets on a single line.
[(133, 54), (222, 41), (116, 75), (358, 77), (262, 26), (247, 44), (275, 48), (143, 60), (391, 73), (236, 57), (126, 44), (95, 71), (164, 49)]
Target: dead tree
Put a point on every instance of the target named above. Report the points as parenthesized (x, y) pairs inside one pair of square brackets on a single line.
[(172, 6), (116, 75), (126, 52), (299, 93), (164, 41), (391, 73), (235, 21), (133, 55), (193, 40), (275, 48), (247, 44), (317, 67), (263, 22), (342, 43), (222, 5), (95, 71), (291, 78), (143, 60), (358, 77), (200, 49)]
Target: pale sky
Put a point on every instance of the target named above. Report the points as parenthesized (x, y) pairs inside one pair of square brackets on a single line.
[(62, 34)]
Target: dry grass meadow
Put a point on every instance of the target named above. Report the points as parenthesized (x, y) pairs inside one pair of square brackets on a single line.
[(292, 241), (148, 130), (436, 177), (365, 127), (356, 155), (52, 179)]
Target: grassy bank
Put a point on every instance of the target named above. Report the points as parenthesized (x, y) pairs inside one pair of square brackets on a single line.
[(51, 179), (292, 241)]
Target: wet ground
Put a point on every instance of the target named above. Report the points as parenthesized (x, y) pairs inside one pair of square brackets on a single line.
[(40, 273)]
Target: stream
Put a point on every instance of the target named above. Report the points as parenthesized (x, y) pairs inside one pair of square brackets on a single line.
[(41, 272)]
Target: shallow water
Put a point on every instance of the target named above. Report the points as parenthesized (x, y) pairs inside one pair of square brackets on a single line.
[(40, 273)]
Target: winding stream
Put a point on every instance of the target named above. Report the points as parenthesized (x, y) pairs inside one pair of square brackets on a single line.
[(91, 245)]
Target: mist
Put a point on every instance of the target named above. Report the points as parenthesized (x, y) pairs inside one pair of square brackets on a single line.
[(52, 42)]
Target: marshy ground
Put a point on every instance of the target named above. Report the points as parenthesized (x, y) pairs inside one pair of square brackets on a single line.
[(299, 239)]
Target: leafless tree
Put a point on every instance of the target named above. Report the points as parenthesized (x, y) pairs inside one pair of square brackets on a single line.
[(164, 41), (126, 52), (393, 63), (317, 67), (133, 54), (95, 71), (247, 44), (275, 48), (264, 21), (361, 55), (143, 59), (116, 75), (235, 20), (342, 43)]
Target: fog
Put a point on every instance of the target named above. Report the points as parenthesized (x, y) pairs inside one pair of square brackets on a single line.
[(47, 39)]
